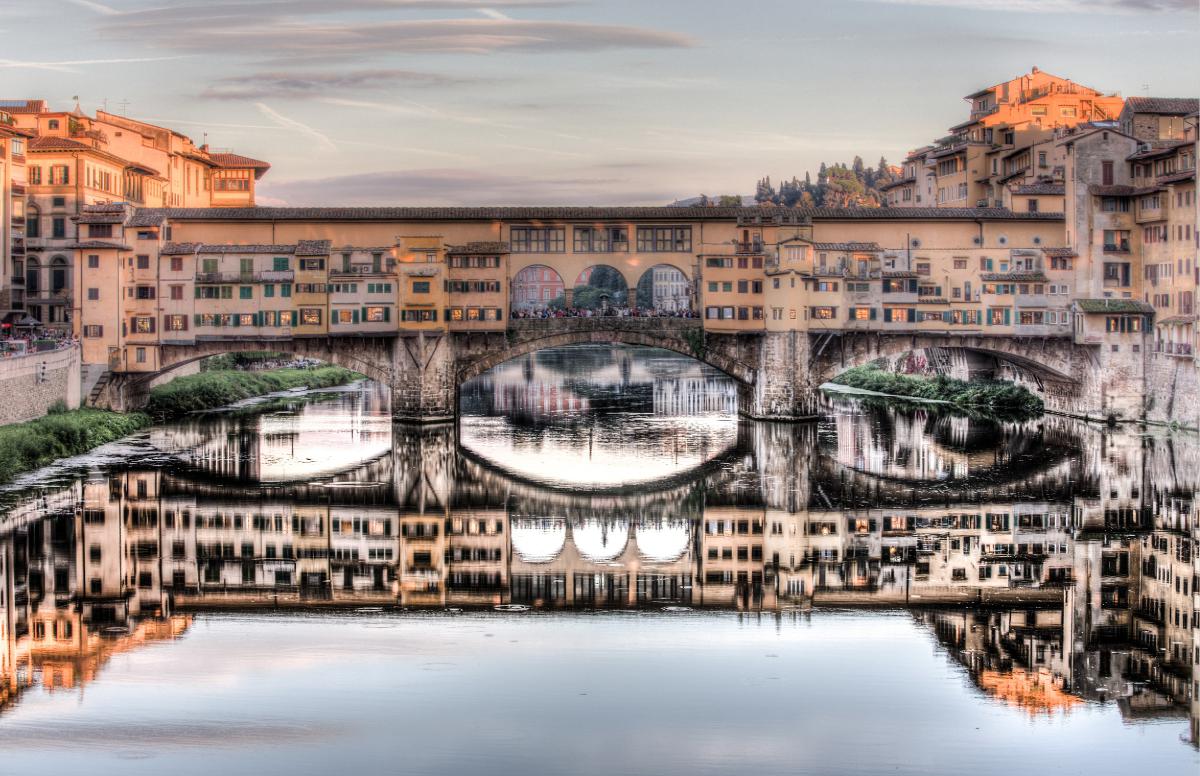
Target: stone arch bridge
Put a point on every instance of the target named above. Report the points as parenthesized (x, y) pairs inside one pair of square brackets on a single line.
[(778, 373)]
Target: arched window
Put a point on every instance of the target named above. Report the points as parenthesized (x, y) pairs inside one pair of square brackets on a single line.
[(59, 274), (33, 275)]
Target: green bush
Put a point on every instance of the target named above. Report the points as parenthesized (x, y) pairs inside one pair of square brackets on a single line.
[(993, 397), (26, 446), (209, 390)]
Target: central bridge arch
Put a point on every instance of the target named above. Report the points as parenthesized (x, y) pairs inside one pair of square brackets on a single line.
[(679, 335)]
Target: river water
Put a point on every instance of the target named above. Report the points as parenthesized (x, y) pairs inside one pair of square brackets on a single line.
[(297, 586)]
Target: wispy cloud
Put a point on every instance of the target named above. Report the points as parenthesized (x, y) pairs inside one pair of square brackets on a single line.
[(1058, 6), (99, 8), (71, 65), (462, 187), (294, 85), (288, 123), (303, 29)]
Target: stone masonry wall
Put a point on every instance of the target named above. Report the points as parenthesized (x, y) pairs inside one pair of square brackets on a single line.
[(30, 385), (1173, 390)]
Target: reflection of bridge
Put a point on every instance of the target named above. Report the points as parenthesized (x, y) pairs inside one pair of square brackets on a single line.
[(778, 373)]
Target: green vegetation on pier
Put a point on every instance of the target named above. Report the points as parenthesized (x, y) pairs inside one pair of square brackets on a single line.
[(211, 389), (991, 397)]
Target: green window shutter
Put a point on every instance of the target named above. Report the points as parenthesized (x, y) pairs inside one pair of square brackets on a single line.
[(285, 289), (281, 263), (1007, 316), (197, 319), (354, 316), (387, 314)]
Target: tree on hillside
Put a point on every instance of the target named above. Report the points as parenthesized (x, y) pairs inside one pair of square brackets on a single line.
[(838, 185)]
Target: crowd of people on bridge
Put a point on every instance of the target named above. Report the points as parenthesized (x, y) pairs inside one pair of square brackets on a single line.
[(19, 341), (608, 312)]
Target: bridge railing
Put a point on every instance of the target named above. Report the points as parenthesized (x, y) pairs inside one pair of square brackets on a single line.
[(550, 326)]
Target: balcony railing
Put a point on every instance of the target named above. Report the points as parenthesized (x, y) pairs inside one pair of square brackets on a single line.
[(754, 246)]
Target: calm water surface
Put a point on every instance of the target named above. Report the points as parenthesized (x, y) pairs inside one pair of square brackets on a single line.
[(298, 587)]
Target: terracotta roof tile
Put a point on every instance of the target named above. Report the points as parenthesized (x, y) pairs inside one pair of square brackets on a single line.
[(1041, 188), (1163, 105), (1113, 306), (238, 161), (666, 214)]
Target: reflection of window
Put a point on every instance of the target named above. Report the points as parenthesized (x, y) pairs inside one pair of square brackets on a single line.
[(93, 331), (343, 316), (176, 323), (143, 325), (473, 313), (420, 286), (246, 319), (310, 316), (605, 239), (377, 314), (456, 314)]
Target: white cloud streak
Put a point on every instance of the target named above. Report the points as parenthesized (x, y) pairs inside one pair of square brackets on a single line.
[(1057, 6), (288, 123), (70, 65)]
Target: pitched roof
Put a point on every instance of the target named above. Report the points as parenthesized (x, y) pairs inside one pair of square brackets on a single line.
[(1013, 277), (237, 160), (178, 248), (1041, 188), (244, 248), (23, 106), (1163, 105), (848, 246), (99, 218), (52, 143), (478, 247), (1113, 306), (147, 218), (98, 245), (313, 247), (586, 213)]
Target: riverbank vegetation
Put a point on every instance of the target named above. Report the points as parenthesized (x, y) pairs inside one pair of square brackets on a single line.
[(991, 397), (61, 433), (212, 389)]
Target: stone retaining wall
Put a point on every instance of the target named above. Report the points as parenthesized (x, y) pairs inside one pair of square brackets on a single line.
[(31, 384), (1173, 390)]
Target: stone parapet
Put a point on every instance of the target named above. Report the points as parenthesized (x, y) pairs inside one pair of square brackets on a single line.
[(31, 384)]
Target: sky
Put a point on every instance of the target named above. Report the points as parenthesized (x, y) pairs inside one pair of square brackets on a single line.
[(581, 102)]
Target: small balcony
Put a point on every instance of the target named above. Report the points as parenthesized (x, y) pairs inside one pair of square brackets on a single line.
[(747, 248)]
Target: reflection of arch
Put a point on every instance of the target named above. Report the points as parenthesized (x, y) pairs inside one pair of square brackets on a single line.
[(600, 540), (59, 273), (663, 540), (535, 286), (1054, 362), (538, 540), (600, 283), (664, 287)]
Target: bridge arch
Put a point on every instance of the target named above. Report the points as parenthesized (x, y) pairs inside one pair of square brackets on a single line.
[(372, 357), (1054, 368), (598, 283), (535, 286), (663, 287), (678, 335)]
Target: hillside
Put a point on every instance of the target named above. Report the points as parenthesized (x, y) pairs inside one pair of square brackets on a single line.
[(838, 185)]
